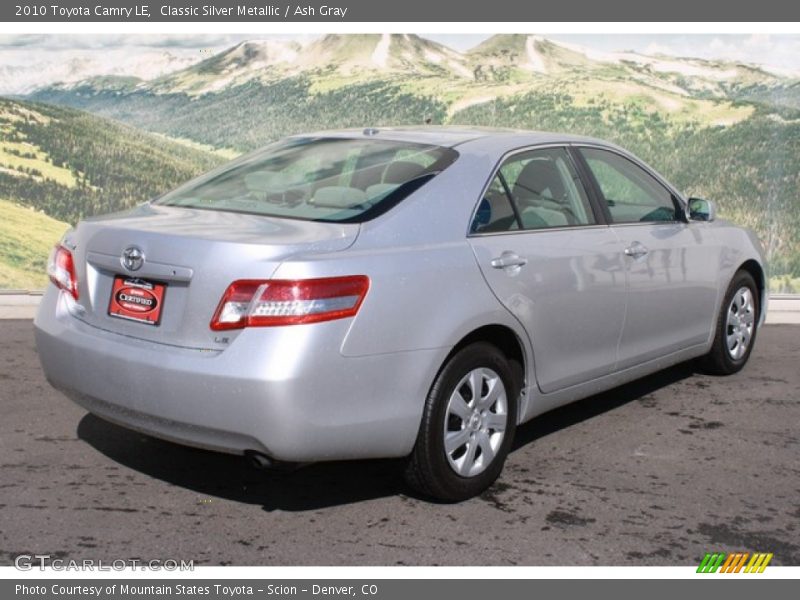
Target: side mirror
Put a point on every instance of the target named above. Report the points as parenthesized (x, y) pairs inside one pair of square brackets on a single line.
[(702, 210)]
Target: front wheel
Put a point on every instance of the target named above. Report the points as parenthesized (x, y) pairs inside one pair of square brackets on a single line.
[(467, 427), (736, 328)]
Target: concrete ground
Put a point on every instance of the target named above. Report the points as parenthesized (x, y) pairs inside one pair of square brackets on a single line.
[(657, 472)]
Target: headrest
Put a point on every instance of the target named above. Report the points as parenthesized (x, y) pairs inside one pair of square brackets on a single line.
[(536, 177), (401, 171), (269, 181), (379, 190), (336, 196)]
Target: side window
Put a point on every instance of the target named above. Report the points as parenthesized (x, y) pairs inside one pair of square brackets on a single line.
[(546, 190), (631, 193), (539, 189), (495, 213)]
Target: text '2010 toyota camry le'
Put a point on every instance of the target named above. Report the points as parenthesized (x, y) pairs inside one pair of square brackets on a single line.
[(394, 293)]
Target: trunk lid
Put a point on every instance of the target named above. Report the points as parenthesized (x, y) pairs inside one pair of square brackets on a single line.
[(195, 254)]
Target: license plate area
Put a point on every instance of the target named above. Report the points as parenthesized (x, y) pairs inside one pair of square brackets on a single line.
[(137, 300)]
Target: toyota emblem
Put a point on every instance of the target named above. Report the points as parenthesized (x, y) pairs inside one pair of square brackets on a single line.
[(132, 258)]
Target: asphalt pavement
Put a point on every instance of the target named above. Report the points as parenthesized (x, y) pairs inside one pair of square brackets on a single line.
[(657, 472)]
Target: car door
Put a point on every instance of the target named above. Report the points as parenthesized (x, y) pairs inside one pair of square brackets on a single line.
[(548, 257), (671, 264)]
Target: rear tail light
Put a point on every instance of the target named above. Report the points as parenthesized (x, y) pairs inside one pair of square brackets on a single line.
[(61, 270), (264, 303)]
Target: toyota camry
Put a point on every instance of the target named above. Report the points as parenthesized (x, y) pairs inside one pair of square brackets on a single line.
[(412, 293)]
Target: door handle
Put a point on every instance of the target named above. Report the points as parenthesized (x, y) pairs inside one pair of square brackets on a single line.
[(507, 260), (636, 250)]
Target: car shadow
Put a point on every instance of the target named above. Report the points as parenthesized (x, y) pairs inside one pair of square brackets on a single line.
[(325, 484), (231, 477), (580, 411)]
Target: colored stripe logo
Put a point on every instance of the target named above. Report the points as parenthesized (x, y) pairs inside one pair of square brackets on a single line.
[(734, 562)]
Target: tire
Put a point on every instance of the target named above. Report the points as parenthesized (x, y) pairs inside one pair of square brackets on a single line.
[(736, 328), (464, 472)]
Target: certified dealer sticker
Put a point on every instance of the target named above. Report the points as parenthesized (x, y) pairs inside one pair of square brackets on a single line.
[(137, 300)]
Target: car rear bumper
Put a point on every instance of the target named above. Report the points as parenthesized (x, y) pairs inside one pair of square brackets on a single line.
[(285, 391)]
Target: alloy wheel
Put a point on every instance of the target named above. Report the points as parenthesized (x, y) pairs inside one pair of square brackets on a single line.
[(740, 323), (475, 422)]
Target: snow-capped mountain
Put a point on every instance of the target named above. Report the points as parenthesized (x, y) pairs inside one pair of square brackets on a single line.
[(257, 59), (507, 58), (342, 55), (383, 53)]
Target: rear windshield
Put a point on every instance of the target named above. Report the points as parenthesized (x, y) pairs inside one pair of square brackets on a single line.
[(316, 179)]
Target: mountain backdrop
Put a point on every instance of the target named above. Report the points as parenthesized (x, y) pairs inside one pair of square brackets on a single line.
[(723, 130)]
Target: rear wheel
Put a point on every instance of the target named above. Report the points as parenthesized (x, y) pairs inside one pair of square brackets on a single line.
[(467, 427), (736, 327)]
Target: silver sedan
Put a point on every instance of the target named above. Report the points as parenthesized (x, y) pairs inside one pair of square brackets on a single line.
[(409, 293)]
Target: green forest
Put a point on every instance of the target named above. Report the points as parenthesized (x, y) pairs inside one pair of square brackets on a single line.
[(248, 116)]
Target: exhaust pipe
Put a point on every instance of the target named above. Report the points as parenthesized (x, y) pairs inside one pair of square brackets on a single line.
[(261, 462), (258, 460)]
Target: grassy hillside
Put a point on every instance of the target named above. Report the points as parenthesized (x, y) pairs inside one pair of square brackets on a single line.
[(71, 164), (26, 238)]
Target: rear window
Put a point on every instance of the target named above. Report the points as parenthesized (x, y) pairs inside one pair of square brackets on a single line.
[(316, 179)]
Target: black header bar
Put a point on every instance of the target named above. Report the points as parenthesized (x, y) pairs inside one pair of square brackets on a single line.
[(244, 11)]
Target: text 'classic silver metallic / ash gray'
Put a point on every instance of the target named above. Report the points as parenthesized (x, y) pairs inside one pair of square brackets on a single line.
[(394, 293)]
